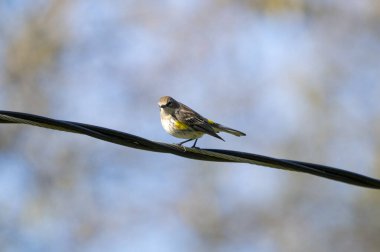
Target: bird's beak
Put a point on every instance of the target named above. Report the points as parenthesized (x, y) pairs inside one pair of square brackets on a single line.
[(161, 106)]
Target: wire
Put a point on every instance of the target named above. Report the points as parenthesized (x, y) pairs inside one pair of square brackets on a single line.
[(215, 155)]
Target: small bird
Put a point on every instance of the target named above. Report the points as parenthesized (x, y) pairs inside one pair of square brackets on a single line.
[(181, 121)]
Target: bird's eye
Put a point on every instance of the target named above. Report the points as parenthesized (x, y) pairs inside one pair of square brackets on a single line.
[(169, 104)]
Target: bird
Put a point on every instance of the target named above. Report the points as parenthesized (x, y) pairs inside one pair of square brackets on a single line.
[(182, 122)]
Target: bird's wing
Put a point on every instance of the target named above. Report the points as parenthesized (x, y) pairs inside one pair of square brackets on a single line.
[(195, 121)]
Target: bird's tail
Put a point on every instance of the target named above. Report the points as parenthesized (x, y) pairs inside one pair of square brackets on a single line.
[(218, 127)]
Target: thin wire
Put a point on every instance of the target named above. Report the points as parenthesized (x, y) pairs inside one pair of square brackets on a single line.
[(215, 155)]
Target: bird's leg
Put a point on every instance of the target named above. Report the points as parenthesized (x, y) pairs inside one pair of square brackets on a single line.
[(188, 140), (195, 144)]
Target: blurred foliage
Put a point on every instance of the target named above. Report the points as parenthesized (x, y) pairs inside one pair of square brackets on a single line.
[(300, 76)]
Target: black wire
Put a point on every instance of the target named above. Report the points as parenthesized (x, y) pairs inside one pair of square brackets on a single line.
[(215, 155)]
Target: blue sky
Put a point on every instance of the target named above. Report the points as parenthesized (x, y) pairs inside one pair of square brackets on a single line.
[(303, 85)]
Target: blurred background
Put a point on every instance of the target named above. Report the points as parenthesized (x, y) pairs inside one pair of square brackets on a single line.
[(300, 77)]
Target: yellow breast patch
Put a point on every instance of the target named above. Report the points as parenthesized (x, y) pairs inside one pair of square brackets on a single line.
[(180, 126)]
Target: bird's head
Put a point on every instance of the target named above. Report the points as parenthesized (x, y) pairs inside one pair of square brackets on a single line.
[(168, 104)]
